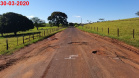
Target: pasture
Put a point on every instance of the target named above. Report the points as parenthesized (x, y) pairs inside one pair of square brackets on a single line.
[(128, 30)]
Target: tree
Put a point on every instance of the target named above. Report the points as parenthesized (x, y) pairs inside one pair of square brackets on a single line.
[(38, 22), (89, 21), (137, 13), (71, 24), (13, 22), (50, 20), (57, 18), (1, 26), (101, 19)]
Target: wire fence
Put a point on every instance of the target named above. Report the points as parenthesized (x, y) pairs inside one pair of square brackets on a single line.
[(12, 42), (108, 31)]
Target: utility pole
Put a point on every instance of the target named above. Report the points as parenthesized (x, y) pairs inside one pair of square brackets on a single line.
[(81, 22)]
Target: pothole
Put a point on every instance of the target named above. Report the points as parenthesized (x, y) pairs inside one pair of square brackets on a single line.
[(94, 52), (54, 46), (99, 52), (79, 43)]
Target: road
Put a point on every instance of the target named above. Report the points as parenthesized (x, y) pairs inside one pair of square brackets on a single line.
[(72, 54)]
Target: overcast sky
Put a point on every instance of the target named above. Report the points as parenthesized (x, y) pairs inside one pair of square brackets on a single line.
[(90, 10)]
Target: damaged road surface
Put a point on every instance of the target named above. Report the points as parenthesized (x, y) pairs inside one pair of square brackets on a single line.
[(72, 54)]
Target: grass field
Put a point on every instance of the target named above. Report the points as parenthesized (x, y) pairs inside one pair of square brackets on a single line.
[(12, 40), (125, 26)]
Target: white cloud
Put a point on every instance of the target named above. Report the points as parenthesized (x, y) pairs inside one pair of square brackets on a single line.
[(77, 16), (31, 16)]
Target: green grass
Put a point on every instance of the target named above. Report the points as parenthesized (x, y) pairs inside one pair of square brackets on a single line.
[(12, 40), (125, 26)]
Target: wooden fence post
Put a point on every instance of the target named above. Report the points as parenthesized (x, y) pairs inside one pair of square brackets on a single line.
[(6, 44), (33, 36), (29, 37), (94, 28), (17, 40), (118, 32), (23, 39), (102, 29), (108, 31), (133, 33), (39, 34), (97, 29), (44, 32)]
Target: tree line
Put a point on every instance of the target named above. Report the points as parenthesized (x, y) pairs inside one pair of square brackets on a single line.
[(11, 22)]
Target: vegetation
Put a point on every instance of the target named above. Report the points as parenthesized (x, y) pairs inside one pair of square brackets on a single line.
[(13, 22), (137, 13), (125, 26), (19, 31), (58, 18), (38, 22), (101, 19), (12, 40), (74, 24)]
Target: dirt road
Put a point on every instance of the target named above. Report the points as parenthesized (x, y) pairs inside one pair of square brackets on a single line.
[(72, 54)]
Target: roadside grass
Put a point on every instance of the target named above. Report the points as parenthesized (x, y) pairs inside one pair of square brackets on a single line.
[(12, 40), (125, 26)]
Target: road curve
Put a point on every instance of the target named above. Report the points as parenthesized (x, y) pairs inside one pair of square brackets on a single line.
[(71, 54)]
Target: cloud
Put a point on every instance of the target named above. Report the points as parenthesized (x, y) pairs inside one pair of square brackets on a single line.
[(31, 16), (77, 16)]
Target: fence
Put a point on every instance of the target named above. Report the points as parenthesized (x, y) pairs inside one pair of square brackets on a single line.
[(97, 29), (16, 41)]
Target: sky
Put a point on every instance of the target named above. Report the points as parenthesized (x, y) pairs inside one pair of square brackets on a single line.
[(91, 10)]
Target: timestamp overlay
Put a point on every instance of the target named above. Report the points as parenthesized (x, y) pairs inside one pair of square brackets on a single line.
[(14, 3)]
